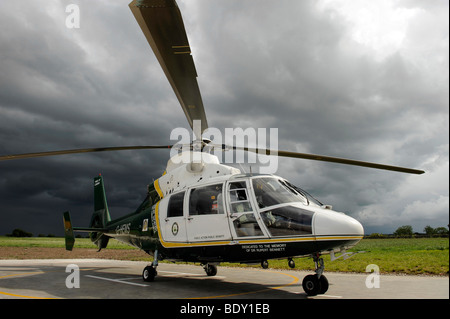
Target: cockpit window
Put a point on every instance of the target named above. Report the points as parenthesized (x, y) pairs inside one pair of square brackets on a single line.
[(273, 191), (244, 221), (175, 208), (304, 193), (239, 198), (287, 221), (206, 200)]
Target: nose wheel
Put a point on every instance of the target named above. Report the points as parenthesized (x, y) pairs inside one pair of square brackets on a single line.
[(316, 284)]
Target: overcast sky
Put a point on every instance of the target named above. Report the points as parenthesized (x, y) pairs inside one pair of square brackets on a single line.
[(364, 79)]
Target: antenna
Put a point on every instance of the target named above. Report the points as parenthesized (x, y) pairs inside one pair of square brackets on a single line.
[(242, 168)]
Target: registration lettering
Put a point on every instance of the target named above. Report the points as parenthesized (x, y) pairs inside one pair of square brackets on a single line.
[(123, 229)]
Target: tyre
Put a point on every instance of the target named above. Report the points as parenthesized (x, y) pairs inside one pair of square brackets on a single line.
[(311, 285), (211, 270), (149, 274), (291, 263), (323, 284), (264, 264)]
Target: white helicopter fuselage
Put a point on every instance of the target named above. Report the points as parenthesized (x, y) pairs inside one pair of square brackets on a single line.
[(210, 212)]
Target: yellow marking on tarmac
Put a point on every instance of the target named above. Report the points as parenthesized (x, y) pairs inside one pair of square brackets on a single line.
[(27, 274), (22, 296)]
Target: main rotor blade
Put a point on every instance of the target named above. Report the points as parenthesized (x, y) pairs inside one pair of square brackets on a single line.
[(163, 26), (83, 150), (329, 159)]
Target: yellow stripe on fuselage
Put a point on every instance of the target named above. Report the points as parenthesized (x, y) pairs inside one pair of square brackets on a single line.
[(158, 189), (166, 244)]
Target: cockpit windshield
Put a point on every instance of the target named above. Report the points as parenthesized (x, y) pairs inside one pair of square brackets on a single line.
[(270, 191), (304, 193)]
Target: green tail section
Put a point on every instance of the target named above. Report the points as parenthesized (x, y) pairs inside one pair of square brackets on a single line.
[(99, 220), (101, 217), (68, 231), (101, 213)]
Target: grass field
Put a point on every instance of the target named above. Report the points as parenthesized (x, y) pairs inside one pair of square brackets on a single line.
[(55, 242), (415, 256)]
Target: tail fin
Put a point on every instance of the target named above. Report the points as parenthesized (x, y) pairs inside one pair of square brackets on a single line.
[(68, 231), (101, 216), (99, 220), (100, 205)]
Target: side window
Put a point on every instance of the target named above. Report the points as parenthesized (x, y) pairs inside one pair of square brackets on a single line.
[(206, 200), (246, 225), (175, 208), (239, 198)]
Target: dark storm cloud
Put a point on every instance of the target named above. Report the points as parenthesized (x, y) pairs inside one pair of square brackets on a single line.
[(292, 65), (300, 71), (297, 68), (63, 89)]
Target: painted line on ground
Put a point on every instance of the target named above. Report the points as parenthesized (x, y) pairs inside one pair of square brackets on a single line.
[(174, 273), (117, 280), (296, 280), (22, 296)]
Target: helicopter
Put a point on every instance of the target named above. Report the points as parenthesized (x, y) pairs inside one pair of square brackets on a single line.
[(203, 211)]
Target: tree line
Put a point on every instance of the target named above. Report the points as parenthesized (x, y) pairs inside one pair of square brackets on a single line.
[(406, 231), (22, 233)]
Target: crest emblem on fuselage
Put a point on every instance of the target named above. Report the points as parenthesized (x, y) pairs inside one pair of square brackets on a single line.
[(175, 229)]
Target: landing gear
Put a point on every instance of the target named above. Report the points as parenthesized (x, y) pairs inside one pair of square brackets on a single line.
[(291, 263), (150, 272), (318, 283), (311, 285), (323, 281), (211, 270), (264, 264)]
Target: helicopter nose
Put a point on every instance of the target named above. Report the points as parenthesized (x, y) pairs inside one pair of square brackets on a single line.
[(329, 222)]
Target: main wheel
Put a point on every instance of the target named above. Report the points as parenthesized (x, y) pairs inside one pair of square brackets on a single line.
[(264, 264), (211, 270), (323, 284), (149, 273), (291, 263), (311, 285)]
